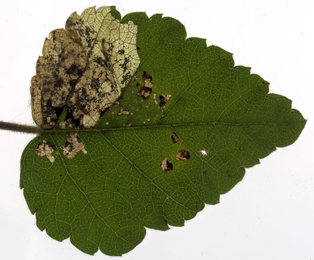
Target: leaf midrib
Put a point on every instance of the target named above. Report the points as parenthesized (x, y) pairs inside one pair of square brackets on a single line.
[(169, 126)]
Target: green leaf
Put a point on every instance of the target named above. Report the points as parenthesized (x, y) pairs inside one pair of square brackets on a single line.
[(155, 160)]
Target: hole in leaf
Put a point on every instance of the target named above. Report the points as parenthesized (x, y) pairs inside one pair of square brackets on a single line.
[(203, 153)]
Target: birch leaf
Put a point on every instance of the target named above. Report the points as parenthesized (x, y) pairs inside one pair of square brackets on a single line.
[(142, 128)]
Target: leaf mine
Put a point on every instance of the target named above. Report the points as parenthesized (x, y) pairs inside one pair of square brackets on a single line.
[(144, 92), (84, 69), (148, 86), (137, 173), (46, 149), (174, 138), (163, 99), (123, 112), (62, 63), (166, 165), (183, 155), (148, 80), (72, 146)]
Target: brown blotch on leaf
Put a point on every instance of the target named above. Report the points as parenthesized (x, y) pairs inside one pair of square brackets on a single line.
[(183, 155), (148, 85), (62, 124), (46, 149), (147, 80), (144, 92), (166, 165), (163, 99), (123, 112), (174, 138), (72, 146)]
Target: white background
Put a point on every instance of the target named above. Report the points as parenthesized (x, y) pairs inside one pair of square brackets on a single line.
[(269, 215)]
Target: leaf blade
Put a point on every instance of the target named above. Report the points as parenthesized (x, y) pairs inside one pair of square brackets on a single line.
[(120, 180)]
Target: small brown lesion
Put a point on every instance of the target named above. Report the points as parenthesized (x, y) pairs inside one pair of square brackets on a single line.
[(148, 80), (46, 149), (174, 138), (123, 112), (165, 165), (148, 86), (72, 146), (183, 155), (62, 124), (163, 99), (144, 92)]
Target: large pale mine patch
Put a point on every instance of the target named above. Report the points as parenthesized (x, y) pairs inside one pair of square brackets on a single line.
[(84, 69)]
